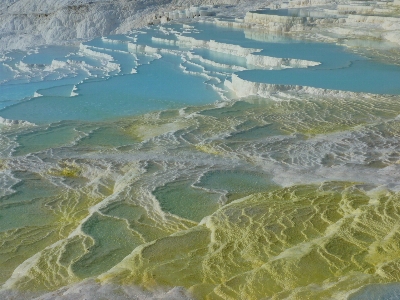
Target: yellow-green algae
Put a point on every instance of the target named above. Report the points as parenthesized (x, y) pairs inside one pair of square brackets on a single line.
[(287, 114), (60, 213), (154, 124), (304, 242), (66, 169), (105, 238), (32, 140), (181, 199), (3, 164)]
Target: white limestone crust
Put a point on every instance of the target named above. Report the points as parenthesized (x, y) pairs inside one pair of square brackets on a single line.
[(30, 23), (246, 88)]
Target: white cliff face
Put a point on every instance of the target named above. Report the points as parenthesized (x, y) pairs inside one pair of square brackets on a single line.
[(379, 20), (268, 61), (276, 23), (29, 23), (387, 23), (246, 88), (254, 60), (39, 6), (6, 3), (361, 9), (306, 3), (216, 46)]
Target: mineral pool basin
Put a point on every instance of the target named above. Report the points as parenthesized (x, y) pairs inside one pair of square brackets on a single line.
[(366, 76), (157, 86), (161, 84), (291, 12), (340, 69), (274, 12), (278, 45)]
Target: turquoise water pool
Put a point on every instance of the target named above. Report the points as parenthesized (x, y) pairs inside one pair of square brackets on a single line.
[(160, 83)]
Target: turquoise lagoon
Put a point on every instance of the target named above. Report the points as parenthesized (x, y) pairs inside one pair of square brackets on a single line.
[(127, 161)]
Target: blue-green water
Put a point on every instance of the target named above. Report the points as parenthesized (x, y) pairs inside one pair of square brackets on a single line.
[(361, 76), (159, 85), (292, 12)]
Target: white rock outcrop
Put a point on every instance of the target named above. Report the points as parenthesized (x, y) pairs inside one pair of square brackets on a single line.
[(30, 23), (246, 88), (258, 61), (215, 46), (269, 61), (8, 122), (264, 19)]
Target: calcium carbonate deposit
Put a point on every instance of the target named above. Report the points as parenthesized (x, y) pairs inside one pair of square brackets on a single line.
[(178, 149)]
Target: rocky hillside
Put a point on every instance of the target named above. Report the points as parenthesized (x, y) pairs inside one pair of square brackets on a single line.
[(27, 23)]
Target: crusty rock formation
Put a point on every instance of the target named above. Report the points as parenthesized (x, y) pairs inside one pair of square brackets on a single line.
[(27, 23)]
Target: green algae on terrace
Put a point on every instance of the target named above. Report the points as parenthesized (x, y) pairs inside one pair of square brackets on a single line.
[(282, 231), (66, 169), (310, 241)]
